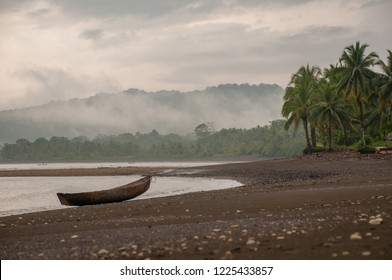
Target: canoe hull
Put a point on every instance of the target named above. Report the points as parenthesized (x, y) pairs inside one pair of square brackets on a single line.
[(117, 194)]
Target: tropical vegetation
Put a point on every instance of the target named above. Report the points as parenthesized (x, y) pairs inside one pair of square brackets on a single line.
[(349, 103), (270, 141)]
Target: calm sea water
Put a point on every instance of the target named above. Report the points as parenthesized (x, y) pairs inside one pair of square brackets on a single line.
[(62, 165), (32, 194)]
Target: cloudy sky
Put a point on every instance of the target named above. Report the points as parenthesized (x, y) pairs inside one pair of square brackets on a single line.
[(60, 49)]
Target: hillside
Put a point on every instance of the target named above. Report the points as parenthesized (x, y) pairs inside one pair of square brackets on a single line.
[(134, 110)]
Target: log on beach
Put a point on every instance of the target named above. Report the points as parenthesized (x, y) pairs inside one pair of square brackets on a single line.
[(321, 206)]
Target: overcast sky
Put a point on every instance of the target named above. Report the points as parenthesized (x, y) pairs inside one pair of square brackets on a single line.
[(60, 49)]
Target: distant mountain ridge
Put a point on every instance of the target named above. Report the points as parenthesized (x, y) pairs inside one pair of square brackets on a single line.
[(134, 110)]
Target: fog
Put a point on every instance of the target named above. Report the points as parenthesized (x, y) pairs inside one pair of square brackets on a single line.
[(134, 110)]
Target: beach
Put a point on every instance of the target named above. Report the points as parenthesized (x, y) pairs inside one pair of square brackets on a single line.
[(334, 205)]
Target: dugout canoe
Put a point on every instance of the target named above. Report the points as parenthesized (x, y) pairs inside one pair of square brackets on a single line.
[(117, 194)]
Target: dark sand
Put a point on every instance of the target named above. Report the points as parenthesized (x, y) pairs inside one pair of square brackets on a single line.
[(323, 206)]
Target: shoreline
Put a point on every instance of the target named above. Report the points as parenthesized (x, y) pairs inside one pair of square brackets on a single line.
[(137, 160), (99, 171), (322, 206)]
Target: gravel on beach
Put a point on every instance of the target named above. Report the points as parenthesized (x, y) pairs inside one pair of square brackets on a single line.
[(322, 206)]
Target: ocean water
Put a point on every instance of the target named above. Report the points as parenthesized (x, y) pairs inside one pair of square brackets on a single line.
[(62, 165), (33, 194)]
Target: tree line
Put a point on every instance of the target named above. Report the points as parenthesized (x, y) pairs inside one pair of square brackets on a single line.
[(269, 140), (347, 103)]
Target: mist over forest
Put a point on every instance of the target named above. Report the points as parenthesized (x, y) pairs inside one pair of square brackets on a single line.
[(135, 110)]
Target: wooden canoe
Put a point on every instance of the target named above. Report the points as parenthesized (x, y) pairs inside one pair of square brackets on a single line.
[(117, 194)]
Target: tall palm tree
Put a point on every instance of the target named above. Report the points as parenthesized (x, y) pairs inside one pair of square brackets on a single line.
[(298, 98), (382, 116), (356, 73), (330, 109), (333, 75)]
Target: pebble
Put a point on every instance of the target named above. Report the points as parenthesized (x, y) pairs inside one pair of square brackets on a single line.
[(122, 248), (280, 237), (227, 256), (376, 221), (355, 236), (3, 225), (366, 253), (250, 241), (345, 253), (74, 236), (199, 248), (103, 252)]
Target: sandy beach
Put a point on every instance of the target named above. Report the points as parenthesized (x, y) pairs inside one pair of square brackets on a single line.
[(322, 206)]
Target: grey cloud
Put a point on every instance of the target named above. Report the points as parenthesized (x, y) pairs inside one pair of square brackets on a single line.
[(92, 34), (321, 33), (57, 84), (11, 5), (40, 12), (372, 3), (103, 8), (183, 9), (271, 3)]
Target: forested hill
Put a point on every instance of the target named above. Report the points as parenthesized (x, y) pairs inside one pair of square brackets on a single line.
[(134, 110)]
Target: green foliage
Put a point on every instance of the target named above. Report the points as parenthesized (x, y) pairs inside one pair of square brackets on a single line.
[(205, 129), (298, 98), (351, 103), (270, 140)]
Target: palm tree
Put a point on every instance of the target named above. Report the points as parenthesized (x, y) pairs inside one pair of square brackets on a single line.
[(298, 98), (356, 74), (330, 109), (333, 75), (382, 116)]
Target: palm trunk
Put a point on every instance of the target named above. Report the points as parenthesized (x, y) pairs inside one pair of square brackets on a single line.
[(362, 122), (308, 145), (330, 134), (313, 135), (387, 122)]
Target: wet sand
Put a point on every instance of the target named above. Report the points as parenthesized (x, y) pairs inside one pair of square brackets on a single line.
[(323, 206)]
